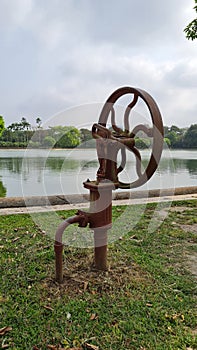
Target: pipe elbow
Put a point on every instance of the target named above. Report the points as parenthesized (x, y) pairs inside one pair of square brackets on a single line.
[(79, 218)]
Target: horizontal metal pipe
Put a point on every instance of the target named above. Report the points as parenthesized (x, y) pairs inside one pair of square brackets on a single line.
[(60, 230)]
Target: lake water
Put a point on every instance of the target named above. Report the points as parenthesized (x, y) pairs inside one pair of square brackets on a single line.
[(52, 172)]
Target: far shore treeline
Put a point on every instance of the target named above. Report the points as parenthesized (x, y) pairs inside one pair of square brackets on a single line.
[(22, 134)]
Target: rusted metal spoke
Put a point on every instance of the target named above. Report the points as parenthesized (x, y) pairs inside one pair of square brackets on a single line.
[(144, 128), (138, 161), (113, 122), (127, 112), (99, 131), (123, 160)]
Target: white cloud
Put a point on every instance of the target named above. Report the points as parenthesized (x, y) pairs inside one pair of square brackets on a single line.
[(73, 52), (14, 12)]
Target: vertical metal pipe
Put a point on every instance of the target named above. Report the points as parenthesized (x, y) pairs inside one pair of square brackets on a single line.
[(100, 221), (100, 249), (58, 246)]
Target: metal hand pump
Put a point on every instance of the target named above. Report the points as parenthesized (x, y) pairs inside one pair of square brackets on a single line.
[(109, 142)]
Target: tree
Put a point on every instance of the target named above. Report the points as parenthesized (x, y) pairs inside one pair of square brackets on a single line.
[(70, 139), (85, 134), (167, 142), (175, 128), (2, 125), (142, 143), (38, 122), (190, 138), (191, 29), (19, 132), (25, 125), (49, 141), (86, 138), (173, 138), (166, 130), (6, 135), (65, 136)]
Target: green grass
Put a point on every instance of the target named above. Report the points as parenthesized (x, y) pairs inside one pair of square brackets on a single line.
[(147, 299)]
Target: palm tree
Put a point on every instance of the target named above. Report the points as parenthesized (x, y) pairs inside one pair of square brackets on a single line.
[(25, 124), (13, 128), (38, 122), (25, 127)]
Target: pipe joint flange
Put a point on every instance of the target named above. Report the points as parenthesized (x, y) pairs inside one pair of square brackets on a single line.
[(83, 218)]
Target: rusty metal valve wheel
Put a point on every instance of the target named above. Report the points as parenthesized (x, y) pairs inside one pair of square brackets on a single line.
[(156, 132)]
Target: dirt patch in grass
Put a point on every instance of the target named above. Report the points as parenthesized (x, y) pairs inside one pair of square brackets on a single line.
[(80, 276), (191, 258), (186, 220), (194, 331), (192, 263), (189, 228), (163, 213), (180, 209)]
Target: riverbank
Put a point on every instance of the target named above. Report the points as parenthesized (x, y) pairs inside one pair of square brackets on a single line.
[(52, 203)]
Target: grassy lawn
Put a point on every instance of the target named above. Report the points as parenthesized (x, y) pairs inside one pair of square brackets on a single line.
[(147, 299)]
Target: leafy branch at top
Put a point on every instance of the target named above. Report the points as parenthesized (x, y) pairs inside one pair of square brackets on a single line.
[(191, 29)]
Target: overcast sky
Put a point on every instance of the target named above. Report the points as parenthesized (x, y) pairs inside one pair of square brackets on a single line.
[(57, 54)]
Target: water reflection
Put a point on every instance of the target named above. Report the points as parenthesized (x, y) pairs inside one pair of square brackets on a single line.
[(62, 164), (188, 164), (3, 190), (191, 165), (14, 165), (19, 165), (25, 165), (176, 165)]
